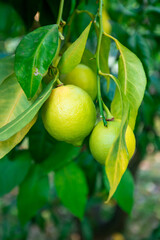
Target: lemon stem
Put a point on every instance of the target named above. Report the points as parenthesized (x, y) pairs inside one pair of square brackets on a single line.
[(109, 115), (60, 12), (98, 64)]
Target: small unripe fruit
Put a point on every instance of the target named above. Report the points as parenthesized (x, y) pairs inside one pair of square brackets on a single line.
[(102, 138), (82, 76)]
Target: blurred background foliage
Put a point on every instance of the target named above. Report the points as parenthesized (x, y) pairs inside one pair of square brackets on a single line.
[(135, 23)]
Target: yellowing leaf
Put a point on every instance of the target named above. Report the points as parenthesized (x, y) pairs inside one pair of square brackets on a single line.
[(9, 144), (12, 102), (117, 159), (24, 117), (72, 56)]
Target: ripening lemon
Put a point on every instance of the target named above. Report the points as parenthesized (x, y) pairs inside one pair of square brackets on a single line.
[(83, 77), (102, 138), (69, 114)]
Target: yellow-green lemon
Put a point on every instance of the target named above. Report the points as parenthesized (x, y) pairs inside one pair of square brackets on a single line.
[(83, 77), (69, 114), (102, 138)]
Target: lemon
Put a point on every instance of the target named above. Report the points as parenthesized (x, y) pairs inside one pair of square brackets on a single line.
[(102, 138), (83, 77), (69, 114)]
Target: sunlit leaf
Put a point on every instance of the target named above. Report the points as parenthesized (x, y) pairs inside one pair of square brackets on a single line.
[(34, 55), (9, 144), (6, 67), (12, 100), (133, 82), (72, 56), (72, 188), (26, 116)]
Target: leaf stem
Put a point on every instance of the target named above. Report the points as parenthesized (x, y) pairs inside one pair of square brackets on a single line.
[(60, 12), (98, 64)]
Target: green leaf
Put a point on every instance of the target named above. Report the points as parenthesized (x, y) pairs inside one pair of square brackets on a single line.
[(33, 193), (89, 60), (62, 154), (12, 173), (133, 82), (118, 158), (72, 56), (25, 117), (6, 67), (72, 188), (9, 144), (33, 56), (104, 55), (12, 100), (124, 194)]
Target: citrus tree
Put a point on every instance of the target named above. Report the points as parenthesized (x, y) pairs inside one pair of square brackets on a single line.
[(68, 112)]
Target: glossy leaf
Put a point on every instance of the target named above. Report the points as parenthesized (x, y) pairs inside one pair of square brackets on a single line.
[(62, 154), (9, 144), (26, 116), (33, 57), (133, 82), (33, 193), (12, 173), (124, 194), (72, 188), (72, 56), (6, 67)]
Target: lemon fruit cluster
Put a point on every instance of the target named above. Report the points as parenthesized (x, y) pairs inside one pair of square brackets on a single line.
[(103, 137), (69, 114)]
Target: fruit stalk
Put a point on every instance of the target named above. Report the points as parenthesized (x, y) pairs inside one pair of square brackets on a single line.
[(98, 64), (60, 12)]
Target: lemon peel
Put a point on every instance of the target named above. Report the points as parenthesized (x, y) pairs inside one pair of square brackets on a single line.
[(69, 114), (102, 138)]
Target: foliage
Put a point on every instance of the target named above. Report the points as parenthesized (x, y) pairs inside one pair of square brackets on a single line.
[(28, 77)]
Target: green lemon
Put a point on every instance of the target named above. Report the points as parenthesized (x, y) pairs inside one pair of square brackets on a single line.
[(83, 77), (69, 114), (102, 138)]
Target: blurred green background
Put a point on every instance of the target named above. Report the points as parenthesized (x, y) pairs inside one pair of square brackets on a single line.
[(136, 24)]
